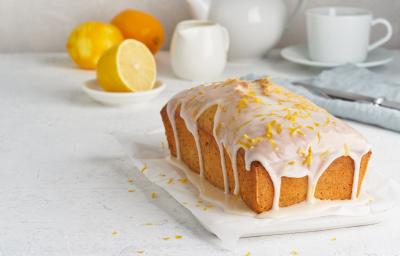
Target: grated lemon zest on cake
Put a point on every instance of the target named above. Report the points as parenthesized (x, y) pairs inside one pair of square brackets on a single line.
[(327, 120), (291, 162), (154, 195), (170, 181), (308, 158), (166, 238), (319, 137), (178, 237)]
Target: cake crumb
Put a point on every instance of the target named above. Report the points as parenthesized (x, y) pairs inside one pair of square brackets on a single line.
[(178, 237), (131, 190), (294, 253), (154, 195), (166, 238), (333, 238)]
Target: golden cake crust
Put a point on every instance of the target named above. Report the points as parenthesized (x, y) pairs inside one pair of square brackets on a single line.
[(256, 187)]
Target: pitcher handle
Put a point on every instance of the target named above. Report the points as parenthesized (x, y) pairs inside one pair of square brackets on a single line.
[(299, 7)]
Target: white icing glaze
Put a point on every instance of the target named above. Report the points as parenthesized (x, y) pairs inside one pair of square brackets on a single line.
[(286, 133)]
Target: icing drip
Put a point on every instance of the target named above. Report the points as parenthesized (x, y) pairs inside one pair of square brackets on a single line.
[(286, 133)]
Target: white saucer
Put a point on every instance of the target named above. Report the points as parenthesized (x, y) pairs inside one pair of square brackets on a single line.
[(299, 54), (94, 91)]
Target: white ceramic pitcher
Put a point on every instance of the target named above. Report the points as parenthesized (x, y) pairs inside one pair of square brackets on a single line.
[(199, 50), (255, 26)]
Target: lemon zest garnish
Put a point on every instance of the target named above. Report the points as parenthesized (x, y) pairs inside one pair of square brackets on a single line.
[(178, 237), (310, 127), (316, 124), (242, 104), (144, 168), (319, 137), (291, 162), (248, 254), (333, 238), (308, 158), (183, 180), (154, 195), (140, 251), (294, 253), (114, 233), (170, 181), (248, 142), (324, 154), (295, 130), (278, 128), (327, 120), (232, 80), (166, 238)]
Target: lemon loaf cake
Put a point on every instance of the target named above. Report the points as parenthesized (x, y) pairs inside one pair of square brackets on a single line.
[(265, 143)]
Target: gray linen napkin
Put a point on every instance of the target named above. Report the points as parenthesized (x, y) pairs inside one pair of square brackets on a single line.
[(353, 79)]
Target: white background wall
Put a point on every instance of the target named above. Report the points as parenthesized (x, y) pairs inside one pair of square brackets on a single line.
[(44, 25)]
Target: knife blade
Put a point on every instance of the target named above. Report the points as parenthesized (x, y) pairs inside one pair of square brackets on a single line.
[(349, 96)]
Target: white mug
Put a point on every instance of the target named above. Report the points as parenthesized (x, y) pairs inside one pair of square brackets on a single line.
[(199, 50), (341, 34)]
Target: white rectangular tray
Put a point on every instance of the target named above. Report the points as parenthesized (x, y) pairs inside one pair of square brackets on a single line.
[(149, 155)]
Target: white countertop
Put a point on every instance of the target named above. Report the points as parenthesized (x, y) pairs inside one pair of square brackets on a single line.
[(64, 179)]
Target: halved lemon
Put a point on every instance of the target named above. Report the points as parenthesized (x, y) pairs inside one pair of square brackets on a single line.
[(127, 67)]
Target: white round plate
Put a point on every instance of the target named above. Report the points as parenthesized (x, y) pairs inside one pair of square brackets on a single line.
[(94, 91), (299, 54)]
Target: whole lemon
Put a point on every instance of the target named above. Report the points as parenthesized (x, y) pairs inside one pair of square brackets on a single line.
[(140, 26), (88, 41)]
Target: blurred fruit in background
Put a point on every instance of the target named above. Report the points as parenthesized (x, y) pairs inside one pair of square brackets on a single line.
[(140, 26), (127, 67), (88, 41)]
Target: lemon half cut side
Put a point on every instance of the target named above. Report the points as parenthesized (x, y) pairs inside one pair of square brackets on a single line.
[(127, 67)]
